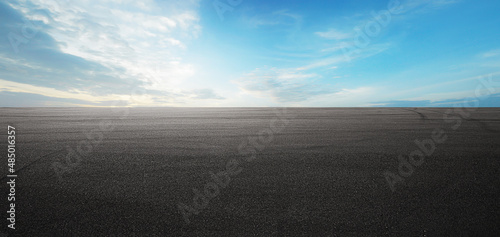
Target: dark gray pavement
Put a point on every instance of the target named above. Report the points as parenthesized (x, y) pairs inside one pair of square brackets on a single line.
[(321, 175)]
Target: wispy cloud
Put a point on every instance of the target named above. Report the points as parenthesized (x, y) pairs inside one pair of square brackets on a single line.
[(15, 87), (205, 94), (280, 17), (347, 42), (424, 6), (335, 34), (491, 53), (355, 96), (282, 85), (83, 97)]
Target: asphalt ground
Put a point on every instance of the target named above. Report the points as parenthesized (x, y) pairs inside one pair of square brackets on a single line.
[(281, 172)]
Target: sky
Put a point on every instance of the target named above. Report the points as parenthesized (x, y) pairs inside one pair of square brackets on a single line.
[(249, 53)]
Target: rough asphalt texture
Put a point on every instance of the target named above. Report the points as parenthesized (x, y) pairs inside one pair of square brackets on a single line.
[(322, 175)]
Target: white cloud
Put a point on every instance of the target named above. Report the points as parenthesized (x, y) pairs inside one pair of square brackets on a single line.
[(335, 34), (408, 7), (346, 46), (281, 17), (134, 36), (282, 85), (491, 53), (50, 92), (139, 44), (433, 97), (359, 96), (135, 98)]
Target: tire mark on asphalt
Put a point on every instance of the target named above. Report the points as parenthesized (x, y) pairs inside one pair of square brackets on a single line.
[(31, 163), (423, 117), (481, 123)]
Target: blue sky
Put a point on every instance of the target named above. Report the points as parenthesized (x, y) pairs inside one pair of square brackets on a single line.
[(249, 53)]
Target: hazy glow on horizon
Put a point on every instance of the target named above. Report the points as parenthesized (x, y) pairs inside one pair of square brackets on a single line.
[(247, 53)]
